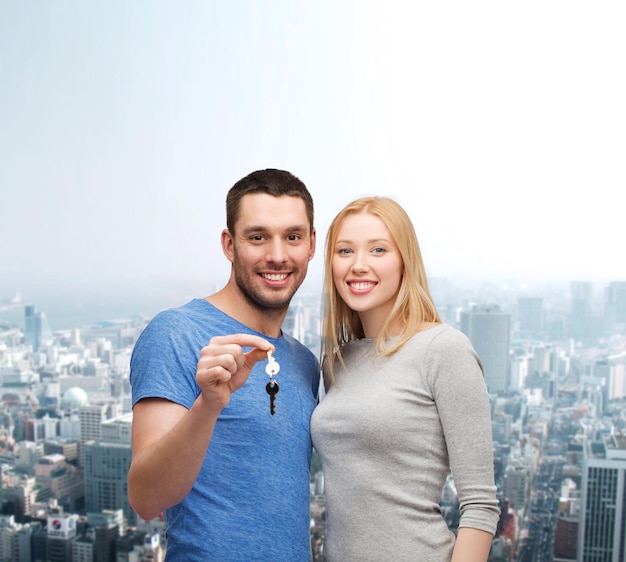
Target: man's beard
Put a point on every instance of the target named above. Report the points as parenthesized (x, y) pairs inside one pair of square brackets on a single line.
[(258, 298)]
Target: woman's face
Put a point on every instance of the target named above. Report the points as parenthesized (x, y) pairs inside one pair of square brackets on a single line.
[(367, 269)]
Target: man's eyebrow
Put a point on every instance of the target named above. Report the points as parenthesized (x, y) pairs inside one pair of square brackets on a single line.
[(253, 228), (298, 228), (258, 228)]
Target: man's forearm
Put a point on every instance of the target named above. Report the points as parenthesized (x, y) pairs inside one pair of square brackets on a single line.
[(163, 473)]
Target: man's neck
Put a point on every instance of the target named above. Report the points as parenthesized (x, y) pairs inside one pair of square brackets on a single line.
[(267, 322)]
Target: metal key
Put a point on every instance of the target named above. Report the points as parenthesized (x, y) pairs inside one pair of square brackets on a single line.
[(272, 366), (272, 389)]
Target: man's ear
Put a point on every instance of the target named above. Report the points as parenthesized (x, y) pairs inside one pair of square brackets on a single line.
[(313, 243), (228, 245)]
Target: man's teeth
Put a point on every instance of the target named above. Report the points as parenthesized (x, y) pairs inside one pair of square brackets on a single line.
[(275, 276)]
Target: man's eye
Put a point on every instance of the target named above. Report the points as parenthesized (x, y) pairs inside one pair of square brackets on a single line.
[(293, 237)]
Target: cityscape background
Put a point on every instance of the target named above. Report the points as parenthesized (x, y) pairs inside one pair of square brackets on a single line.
[(499, 126), (554, 359)]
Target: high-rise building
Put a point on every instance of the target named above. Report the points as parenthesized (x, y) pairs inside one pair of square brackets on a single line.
[(581, 302), (294, 321), (61, 535), (91, 418), (15, 539), (67, 448), (22, 494), (29, 453), (520, 363), (566, 530), (615, 306), (36, 328), (300, 323), (501, 425), (59, 479), (83, 549), (107, 461), (530, 315), (612, 369), (488, 328), (601, 534), (69, 427), (40, 543), (517, 484), (544, 359)]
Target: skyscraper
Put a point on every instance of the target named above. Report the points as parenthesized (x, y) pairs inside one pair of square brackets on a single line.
[(36, 328), (61, 535), (581, 295), (488, 329), (530, 315), (601, 535), (615, 306), (566, 530), (91, 417), (107, 461), (612, 369)]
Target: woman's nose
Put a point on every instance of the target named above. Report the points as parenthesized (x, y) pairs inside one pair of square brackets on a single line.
[(360, 266)]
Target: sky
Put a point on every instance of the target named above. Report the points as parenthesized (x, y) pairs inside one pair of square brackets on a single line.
[(500, 126)]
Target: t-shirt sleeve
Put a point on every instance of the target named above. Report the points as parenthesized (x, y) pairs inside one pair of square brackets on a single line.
[(462, 401), (163, 362)]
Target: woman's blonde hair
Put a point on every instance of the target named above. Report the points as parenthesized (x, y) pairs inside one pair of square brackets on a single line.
[(414, 304)]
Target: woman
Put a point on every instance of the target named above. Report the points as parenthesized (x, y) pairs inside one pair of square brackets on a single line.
[(405, 402)]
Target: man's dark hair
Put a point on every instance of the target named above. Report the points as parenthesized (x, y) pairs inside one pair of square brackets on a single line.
[(271, 181)]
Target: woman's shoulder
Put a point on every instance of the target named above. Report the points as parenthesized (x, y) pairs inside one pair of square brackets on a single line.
[(440, 336)]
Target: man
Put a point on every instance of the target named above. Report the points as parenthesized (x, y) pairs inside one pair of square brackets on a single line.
[(231, 477)]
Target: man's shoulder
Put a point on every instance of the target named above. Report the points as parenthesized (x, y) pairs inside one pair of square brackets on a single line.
[(178, 321), (195, 310)]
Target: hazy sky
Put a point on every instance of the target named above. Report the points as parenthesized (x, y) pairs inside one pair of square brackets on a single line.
[(500, 126)]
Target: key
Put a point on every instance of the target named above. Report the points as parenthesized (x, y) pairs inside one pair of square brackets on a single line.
[(272, 389), (272, 366)]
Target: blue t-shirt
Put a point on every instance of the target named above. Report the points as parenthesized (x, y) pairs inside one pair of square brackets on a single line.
[(251, 498)]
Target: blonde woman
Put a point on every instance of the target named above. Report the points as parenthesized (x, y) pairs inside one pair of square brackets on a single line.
[(405, 404)]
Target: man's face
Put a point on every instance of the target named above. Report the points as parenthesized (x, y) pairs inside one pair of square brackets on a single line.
[(270, 249)]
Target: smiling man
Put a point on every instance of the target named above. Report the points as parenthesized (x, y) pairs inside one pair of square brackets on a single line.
[(230, 473)]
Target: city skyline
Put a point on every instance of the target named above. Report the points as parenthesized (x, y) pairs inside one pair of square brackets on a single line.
[(67, 405), (67, 307), (498, 127)]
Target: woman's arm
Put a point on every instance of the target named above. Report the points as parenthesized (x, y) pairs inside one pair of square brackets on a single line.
[(472, 545), (464, 410)]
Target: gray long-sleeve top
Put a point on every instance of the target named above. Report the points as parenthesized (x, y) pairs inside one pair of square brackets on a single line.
[(388, 433)]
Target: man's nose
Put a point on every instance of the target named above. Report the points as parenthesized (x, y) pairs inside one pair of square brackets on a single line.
[(277, 252)]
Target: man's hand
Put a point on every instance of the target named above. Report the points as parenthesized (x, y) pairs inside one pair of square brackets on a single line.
[(224, 367)]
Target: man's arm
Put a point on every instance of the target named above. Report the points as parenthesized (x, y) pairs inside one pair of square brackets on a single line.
[(169, 440)]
